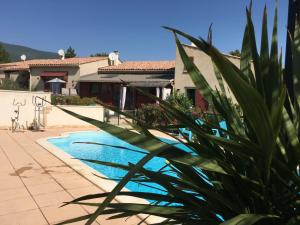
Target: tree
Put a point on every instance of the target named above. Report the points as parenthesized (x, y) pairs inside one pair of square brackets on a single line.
[(70, 53), (4, 56), (235, 53), (99, 54)]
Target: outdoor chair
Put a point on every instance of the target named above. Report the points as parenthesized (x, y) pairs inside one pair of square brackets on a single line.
[(216, 132), (185, 131)]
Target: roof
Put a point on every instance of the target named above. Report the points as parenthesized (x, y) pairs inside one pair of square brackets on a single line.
[(137, 80), (26, 65), (227, 55), (140, 66)]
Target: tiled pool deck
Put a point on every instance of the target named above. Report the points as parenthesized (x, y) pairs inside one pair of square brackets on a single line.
[(34, 183)]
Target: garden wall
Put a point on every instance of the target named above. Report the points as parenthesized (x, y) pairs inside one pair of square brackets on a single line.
[(55, 117), (50, 116), (7, 108)]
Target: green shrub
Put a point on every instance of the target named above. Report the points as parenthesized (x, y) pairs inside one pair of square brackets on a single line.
[(180, 101), (72, 100), (9, 84), (151, 115)]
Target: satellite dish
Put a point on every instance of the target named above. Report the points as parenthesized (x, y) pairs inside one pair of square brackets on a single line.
[(112, 56), (61, 52), (23, 57)]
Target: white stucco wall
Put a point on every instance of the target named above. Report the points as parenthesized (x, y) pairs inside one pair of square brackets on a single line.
[(90, 68), (204, 64), (55, 117), (51, 116), (26, 115)]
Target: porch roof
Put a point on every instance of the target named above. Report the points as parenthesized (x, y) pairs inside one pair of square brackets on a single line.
[(134, 80)]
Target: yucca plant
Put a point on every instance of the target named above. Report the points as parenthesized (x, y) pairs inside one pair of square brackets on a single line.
[(249, 176)]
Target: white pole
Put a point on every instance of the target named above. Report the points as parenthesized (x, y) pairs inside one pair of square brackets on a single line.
[(123, 97), (157, 94), (166, 92)]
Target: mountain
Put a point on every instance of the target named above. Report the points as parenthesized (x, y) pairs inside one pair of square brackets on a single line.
[(15, 51)]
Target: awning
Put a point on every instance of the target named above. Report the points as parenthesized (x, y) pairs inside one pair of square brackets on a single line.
[(134, 80), (149, 84), (54, 74)]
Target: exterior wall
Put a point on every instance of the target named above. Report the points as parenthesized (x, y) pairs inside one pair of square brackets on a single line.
[(26, 114), (91, 68), (74, 73), (204, 64), (200, 101), (54, 117), (37, 82)]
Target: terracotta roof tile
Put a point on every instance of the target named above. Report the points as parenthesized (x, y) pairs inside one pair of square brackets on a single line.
[(140, 66), (25, 65)]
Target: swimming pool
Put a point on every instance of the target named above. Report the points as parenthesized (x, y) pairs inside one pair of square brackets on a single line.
[(109, 154)]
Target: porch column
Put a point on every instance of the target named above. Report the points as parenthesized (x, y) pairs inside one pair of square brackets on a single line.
[(165, 93), (122, 97), (157, 94)]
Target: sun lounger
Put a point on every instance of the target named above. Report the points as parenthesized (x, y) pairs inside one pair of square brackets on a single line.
[(216, 132)]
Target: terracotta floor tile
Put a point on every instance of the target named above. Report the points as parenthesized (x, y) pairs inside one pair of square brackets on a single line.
[(55, 214), (37, 180), (13, 193), (30, 217), (17, 205), (54, 198), (75, 183), (6, 167), (9, 182), (49, 180), (78, 192), (124, 221), (63, 176), (44, 188)]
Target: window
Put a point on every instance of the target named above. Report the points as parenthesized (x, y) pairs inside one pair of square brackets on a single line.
[(191, 58), (190, 93)]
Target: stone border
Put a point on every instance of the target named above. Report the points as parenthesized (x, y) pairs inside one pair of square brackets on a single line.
[(92, 175)]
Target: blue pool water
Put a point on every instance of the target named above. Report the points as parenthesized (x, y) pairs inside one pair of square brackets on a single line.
[(116, 155), (109, 154)]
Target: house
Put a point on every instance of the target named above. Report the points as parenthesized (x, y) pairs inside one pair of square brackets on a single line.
[(183, 82), (114, 84), (34, 74)]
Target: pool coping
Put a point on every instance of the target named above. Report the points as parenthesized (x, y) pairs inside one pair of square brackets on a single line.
[(93, 175)]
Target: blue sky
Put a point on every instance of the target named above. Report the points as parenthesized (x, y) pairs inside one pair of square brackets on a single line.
[(131, 26)]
